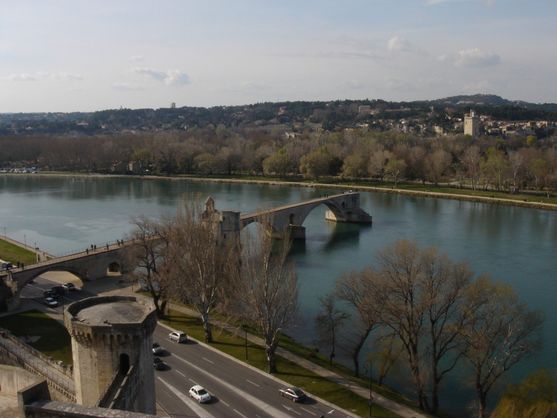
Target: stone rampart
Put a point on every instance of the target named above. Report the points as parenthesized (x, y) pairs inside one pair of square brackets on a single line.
[(15, 352), (124, 391)]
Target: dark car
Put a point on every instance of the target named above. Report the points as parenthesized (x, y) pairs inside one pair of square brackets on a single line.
[(158, 350), (49, 294), (158, 364), (296, 394), (70, 287)]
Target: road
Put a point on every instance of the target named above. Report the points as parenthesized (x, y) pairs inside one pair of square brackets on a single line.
[(238, 390)]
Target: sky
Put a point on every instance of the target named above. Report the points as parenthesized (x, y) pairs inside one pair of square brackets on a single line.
[(77, 55)]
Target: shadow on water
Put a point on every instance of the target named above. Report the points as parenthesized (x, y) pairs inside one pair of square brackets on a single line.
[(342, 235)]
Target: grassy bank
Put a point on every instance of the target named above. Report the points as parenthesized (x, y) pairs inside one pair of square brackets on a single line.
[(287, 371), (525, 199), (14, 253), (53, 339)]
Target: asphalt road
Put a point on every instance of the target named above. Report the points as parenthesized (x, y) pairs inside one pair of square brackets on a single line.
[(35, 291), (237, 391)]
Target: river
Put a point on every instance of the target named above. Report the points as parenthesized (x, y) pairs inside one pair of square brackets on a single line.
[(515, 245)]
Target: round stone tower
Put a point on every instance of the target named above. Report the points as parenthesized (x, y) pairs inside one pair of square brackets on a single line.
[(112, 352)]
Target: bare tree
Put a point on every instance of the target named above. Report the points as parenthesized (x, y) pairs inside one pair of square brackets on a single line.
[(268, 287), (200, 267), (328, 321), (422, 297), (148, 255), (357, 290), (386, 353), (471, 161), (443, 288), (503, 332), (403, 310)]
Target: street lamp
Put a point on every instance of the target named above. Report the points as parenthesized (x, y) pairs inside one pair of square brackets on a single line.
[(368, 369)]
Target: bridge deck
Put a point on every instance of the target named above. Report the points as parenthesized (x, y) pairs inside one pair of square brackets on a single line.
[(295, 205)]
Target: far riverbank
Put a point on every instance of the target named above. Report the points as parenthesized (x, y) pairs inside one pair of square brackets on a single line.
[(431, 191)]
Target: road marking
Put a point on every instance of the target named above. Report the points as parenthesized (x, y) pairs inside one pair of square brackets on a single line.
[(308, 411), (289, 408), (202, 413), (239, 413), (180, 373), (193, 381), (207, 360), (271, 410), (253, 383), (226, 403)]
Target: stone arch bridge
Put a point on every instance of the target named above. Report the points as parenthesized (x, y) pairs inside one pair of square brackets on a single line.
[(96, 263), (343, 207)]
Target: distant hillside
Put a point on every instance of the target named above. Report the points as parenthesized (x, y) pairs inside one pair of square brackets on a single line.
[(285, 116), (494, 100)]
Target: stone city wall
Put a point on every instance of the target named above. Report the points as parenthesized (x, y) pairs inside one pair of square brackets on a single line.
[(15, 352)]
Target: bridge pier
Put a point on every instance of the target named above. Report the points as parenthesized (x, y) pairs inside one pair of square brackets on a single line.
[(297, 232), (354, 215)]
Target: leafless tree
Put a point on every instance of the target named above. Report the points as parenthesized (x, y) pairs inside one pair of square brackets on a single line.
[(503, 332), (357, 290), (200, 267), (148, 255), (268, 287), (422, 297), (328, 322)]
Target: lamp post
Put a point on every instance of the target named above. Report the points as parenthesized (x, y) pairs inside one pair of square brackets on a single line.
[(369, 371)]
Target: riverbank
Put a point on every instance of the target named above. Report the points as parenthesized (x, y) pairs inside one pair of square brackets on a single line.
[(14, 251), (493, 197)]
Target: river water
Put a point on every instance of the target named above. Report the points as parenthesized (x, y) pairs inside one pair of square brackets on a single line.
[(514, 245)]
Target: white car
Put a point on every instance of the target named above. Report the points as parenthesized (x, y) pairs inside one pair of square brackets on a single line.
[(199, 394), (178, 336), (51, 302)]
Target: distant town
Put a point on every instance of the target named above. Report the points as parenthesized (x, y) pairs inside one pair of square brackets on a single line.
[(496, 117)]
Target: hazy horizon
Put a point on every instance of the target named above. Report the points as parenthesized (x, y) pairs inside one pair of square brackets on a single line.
[(63, 56)]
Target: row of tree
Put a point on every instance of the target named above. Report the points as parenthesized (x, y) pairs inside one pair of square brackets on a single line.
[(435, 313), (512, 164), (428, 310)]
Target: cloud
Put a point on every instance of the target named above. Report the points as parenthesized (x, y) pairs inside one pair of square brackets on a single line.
[(136, 58), (176, 78), (474, 58), (67, 76), (169, 77), (38, 76), (21, 77), (396, 43)]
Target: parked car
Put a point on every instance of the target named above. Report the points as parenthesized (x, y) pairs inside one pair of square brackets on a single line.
[(49, 294), (178, 336), (199, 394), (69, 287), (157, 349), (50, 302), (296, 394), (158, 364)]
